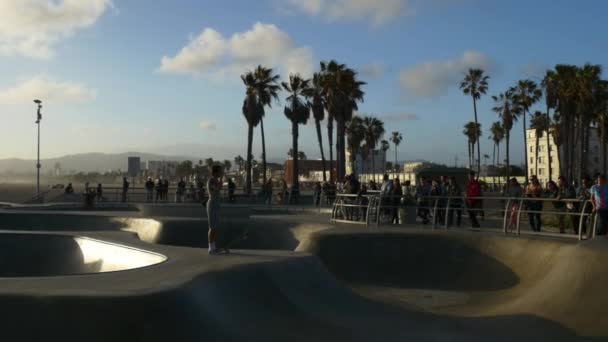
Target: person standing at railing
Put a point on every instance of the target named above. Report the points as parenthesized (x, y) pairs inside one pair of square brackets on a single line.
[(514, 193), (566, 191), (472, 199), (125, 189), (386, 190), (149, 190), (423, 191), (397, 196), (454, 192), (436, 192), (99, 192), (181, 191), (583, 193), (231, 188), (599, 198), (534, 191), (316, 194)]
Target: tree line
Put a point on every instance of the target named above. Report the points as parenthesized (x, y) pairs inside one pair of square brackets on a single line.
[(576, 102)]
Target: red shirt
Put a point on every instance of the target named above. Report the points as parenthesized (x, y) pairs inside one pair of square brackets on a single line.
[(473, 190)]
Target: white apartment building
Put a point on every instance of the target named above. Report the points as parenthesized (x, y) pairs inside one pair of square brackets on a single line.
[(538, 156)]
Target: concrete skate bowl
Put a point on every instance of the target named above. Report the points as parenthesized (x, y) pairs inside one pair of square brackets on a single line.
[(478, 276), (44, 255)]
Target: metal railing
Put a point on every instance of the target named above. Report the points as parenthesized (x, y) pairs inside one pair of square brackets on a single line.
[(440, 211)]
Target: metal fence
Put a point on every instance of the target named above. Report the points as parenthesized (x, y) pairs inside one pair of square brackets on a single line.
[(439, 212)]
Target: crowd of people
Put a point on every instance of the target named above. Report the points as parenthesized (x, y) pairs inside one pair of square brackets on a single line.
[(567, 201)]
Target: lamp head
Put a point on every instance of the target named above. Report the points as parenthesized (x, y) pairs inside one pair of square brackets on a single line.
[(37, 101)]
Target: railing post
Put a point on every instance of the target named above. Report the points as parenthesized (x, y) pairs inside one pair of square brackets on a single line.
[(435, 214), (521, 205), (506, 216), (447, 212), (580, 221), (379, 208)]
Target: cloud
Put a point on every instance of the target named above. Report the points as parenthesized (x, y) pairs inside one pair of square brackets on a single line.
[(375, 11), (434, 79), (32, 28), (212, 54), (208, 125), (400, 117), (46, 89), (372, 70)]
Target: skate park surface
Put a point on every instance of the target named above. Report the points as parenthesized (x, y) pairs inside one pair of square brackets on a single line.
[(120, 275)]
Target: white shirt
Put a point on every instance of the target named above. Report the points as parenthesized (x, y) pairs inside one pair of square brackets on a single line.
[(387, 188)]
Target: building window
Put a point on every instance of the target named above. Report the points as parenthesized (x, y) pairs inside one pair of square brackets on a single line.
[(531, 171), (541, 160), (541, 172), (531, 160), (531, 148)]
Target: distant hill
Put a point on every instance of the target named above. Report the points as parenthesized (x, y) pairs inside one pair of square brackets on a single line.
[(86, 162)]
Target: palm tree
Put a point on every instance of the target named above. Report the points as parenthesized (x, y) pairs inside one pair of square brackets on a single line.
[(539, 123), (297, 112), (301, 154), (550, 89), (558, 141), (227, 165), (239, 162), (384, 146), (252, 110), (341, 91), (396, 138), (526, 93), (472, 131), (355, 134), (508, 110), (497, 135), (318, 112), (475, 84), (374, 131), (267, 90)]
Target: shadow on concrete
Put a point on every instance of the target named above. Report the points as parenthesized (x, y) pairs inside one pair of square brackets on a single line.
[(438, 262)]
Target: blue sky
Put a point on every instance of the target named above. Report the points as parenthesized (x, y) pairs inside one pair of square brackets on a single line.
[(162, 76)]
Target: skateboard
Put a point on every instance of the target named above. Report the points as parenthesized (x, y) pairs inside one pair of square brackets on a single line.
[(238, 238)]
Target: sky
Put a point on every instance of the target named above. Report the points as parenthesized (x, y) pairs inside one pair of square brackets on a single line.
[(163, 76)]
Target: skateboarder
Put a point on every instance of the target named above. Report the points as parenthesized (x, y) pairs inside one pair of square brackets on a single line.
[(214, 187)]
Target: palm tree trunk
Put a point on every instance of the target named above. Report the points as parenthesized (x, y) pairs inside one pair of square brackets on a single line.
[(249, 155), (341, 148), (469, 152), (320, 138), (373, 164), (549, 159), (507, 161), (494, 162), (296, 170), (477, 140), (395, 165), (330, 133), (263, 152), (498, 153), (537, 150), (525, 147), (603, 148)]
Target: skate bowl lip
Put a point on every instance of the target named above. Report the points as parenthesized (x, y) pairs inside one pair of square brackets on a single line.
[(89, 254)]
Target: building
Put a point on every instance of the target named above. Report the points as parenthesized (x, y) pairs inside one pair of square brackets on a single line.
[(165, 168), (374, 162), (133, 166), (309, 169), (538, 156)]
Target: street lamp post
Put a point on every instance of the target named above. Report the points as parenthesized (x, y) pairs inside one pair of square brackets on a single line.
[(38, 119)]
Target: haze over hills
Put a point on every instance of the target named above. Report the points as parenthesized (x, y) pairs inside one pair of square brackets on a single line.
[(85, 162), (93, 162)]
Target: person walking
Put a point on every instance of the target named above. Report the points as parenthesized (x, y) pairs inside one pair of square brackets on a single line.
[(125, 189), (599, 199), (472, 199), (534, 191), (214, 188), (149, 190)]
